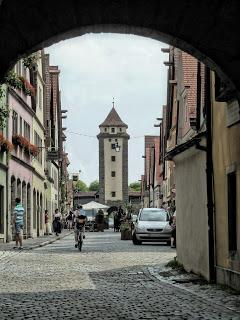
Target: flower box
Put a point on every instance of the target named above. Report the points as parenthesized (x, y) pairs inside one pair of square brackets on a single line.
[(5, 144)]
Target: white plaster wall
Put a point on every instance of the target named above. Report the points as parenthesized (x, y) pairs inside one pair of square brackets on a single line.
[(191, 207), (113, 183)]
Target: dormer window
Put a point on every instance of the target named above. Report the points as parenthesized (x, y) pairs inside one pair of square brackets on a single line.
[(113, 130)]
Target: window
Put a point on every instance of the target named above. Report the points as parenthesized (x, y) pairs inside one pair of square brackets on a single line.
[(109, 140), (113, 194), (116, 140), (105, 129), (113, 158), (112, 130), (113, 173), (232, 211), (113, 145), (40, 98), (120, 129), (20, 126), (14, 123), (38, 143), (26, 130)]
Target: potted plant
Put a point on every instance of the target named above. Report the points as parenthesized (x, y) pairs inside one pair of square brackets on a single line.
[(27, 88), (5, 144), (13, 80), (33, 150), (126, 231)]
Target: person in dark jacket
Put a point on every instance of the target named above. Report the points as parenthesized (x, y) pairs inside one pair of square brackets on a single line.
[(57, 225), (172, 223)]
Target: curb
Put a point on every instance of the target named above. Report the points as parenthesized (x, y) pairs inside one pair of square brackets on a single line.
[(45, 243)]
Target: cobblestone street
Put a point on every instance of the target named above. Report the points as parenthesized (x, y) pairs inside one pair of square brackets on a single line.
[(109, 279)]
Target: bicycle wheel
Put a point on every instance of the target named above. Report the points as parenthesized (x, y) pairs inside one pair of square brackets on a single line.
[(80, 245), (80, 241)]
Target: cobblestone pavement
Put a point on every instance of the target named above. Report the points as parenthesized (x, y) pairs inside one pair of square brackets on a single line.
[(109, 279)]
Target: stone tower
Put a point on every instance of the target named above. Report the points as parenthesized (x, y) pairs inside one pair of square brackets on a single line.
[(113, 160)]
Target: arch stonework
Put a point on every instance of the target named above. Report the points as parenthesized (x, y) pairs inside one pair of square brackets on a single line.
[(206, 29)]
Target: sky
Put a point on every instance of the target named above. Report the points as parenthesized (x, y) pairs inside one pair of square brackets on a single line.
[(94, 69)]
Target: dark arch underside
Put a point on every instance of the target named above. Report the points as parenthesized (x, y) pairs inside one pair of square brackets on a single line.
[(207, 29)]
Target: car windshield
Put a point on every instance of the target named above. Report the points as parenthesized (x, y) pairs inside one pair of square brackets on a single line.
[(153, 215)]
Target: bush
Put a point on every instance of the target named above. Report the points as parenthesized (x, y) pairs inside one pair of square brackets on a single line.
[(174, 264)]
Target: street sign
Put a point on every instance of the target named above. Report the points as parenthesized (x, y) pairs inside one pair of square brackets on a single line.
[(52, 155)]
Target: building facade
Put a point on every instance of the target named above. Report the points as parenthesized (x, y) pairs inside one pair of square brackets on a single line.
[(226, 177)]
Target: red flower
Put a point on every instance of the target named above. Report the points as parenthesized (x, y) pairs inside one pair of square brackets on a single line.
[(28, 89), (5, 144), (33, 150)]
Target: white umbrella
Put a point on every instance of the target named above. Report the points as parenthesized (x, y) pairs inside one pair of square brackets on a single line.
[(94, 205)]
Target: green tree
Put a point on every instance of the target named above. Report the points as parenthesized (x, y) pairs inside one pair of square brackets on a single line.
[(94, 186), (81, 186), (135, 186)]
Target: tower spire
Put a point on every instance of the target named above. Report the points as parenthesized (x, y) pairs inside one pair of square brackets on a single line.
[(113, 102)]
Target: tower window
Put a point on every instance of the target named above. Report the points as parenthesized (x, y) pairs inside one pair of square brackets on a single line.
[(112, 130), (113, 173), (113, 194), (113, 145), (113, 158)]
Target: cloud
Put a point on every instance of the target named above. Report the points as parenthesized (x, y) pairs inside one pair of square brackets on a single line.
[(96, 67)]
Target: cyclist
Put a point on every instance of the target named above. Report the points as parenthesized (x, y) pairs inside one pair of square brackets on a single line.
[(80, 223)]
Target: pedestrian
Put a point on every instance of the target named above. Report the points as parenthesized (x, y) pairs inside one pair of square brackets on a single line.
[(100, 220), (116, 222), (70, 220), (57, 222), (172, 223), (17, 221), (120, 212), (47, 224)]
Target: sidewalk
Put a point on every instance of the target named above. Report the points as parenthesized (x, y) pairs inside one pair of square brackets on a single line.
[(29, 244)]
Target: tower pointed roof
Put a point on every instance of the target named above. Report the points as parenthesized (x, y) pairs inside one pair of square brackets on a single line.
[(113, 120)]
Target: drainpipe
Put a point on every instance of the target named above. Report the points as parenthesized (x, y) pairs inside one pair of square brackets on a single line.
[(209, 172), (7, 183)]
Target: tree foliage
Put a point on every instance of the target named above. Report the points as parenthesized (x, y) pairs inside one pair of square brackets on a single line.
[(94, 186), (81, 186), (135, 186)]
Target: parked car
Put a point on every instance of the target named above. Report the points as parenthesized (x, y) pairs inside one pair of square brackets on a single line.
[(152, 225)]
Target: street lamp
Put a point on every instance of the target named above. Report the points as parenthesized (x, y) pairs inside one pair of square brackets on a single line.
[(117, 147)]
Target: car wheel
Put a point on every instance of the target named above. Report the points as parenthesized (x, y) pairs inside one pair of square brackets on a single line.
[(135, 240)]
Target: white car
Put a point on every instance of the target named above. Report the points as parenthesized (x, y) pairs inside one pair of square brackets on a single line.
[(152, 225)]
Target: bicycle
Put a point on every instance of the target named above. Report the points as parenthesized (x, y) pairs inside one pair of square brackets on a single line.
[(80, 239)]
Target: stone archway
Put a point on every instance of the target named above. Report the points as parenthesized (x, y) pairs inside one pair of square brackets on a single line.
[(205, 29)]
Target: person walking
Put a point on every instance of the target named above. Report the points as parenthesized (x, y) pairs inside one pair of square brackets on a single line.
[(57, 222), (17, 221), (70, 220), (100, 220), (47, 225), (172, 223)]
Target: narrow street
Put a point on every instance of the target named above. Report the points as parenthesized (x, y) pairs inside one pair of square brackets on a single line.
[(109, 279)]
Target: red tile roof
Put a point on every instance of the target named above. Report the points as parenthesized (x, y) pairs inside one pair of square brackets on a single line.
[(113, 120)]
